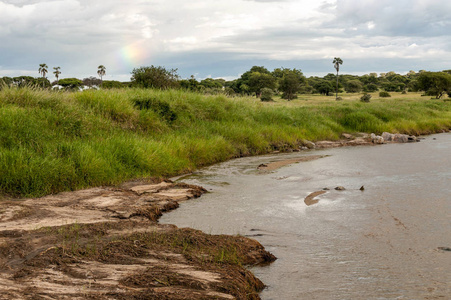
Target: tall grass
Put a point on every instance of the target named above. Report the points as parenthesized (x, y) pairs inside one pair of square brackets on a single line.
[(56, 141)]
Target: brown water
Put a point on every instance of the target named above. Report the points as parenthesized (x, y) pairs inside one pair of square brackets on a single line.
[(380, 243)]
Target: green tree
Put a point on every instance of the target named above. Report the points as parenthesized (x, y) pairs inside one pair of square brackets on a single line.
[(243, 85), (257, 81), (435, 83), (70, 83), (23, 81), (370, 87), (43, 70), (91, 81), (112, 84), (57, 73), (101, 70), (212, 83), (337, 62), (190, 84), (353, 86), (155, 77), (290, 82), (324, 87)]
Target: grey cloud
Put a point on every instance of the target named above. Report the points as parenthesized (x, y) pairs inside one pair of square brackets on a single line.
[(391, 18)]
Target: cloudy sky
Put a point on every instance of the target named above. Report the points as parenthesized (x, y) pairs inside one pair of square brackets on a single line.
[(223, 38)]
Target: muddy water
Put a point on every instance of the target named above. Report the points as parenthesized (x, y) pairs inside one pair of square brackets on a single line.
[(381, 243)]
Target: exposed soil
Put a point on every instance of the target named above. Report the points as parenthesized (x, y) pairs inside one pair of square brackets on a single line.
[(278, 164), (105, 243), (310, 199)]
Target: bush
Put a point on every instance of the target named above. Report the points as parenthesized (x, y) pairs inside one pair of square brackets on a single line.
[(365, 98), (266, 94), (160, 107), (155, 77), (404, 92), (384, 94)]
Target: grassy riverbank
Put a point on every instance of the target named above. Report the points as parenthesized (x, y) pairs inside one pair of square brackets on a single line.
[(56, 141)]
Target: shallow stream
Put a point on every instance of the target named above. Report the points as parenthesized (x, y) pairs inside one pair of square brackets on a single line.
[(388, 241)]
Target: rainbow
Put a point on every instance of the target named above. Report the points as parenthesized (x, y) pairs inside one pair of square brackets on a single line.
[(132, 56)]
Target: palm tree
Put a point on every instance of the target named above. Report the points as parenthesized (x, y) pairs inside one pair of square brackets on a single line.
[(101, 71), (337, 62), (43, 70), (57, 72)]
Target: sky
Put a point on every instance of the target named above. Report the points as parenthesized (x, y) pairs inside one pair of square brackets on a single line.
[(223, 38)]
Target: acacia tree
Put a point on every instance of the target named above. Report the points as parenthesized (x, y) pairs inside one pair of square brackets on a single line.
[(155, 77), (43, 70), (57, 73), (435, 83), (337, 62), (101, 70)]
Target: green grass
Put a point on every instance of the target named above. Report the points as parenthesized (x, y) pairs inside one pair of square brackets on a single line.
[(58, 141)]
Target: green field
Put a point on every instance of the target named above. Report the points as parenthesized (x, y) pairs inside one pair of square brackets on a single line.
[(59, 141)]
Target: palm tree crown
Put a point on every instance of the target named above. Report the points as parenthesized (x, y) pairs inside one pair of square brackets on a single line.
[(101, 71), (337, 62), (57, 72), (43, 69)]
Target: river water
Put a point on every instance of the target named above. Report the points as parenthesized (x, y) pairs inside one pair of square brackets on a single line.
[(386, 242)]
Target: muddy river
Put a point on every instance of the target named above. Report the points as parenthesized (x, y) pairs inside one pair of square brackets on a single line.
[(391, 240)]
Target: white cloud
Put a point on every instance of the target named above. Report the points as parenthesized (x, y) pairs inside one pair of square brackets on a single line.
[(81, 34)]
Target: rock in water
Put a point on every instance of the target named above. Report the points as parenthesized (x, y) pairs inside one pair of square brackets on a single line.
[(387, 136), (377, 139), (362, 188), (309, 145), (340, 188)]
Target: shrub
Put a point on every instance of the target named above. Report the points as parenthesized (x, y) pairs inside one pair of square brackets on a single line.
[(365, 98), (160, 107), (404, 92), (266, 94), (384, 94)]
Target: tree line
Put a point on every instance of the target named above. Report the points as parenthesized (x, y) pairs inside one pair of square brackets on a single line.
[(258, 81), (288, 83)]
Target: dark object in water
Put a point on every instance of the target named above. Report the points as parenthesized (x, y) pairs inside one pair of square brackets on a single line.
[(362, 188), (444, 248)]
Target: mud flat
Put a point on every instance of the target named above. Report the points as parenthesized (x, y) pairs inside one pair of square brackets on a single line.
[(106, 243)]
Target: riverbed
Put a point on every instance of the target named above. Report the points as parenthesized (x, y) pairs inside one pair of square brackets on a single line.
[(389, 240)]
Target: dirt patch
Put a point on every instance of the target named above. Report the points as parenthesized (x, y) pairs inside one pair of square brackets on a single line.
[(105, 243), (310, 199), (271, 166)]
